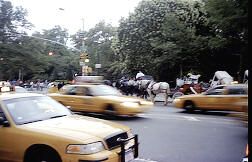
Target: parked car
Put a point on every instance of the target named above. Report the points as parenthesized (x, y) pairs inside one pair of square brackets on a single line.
[(221, 97), (36, 128), (99, 98), (19, 89)]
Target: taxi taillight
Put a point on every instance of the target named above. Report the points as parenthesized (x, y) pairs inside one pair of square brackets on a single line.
[(7, 89), (247, 150)]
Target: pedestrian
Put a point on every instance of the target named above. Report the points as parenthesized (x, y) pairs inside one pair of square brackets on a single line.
[(31, 85), (60, 85), (139, 75)]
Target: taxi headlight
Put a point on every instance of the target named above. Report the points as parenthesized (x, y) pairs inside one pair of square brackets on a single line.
[(176, 100), (146, 103), (130, 134), (130, 104), (85, 149)]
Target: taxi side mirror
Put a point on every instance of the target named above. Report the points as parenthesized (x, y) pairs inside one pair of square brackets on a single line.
[(4, 122)]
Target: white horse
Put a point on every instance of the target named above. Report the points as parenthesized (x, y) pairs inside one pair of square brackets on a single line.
[(153, 88)]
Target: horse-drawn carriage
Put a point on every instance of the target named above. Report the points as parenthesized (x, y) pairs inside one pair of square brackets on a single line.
[(146, 87), (188, 85)]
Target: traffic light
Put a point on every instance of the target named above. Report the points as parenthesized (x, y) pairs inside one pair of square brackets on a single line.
[(50, 53), (84, 56)]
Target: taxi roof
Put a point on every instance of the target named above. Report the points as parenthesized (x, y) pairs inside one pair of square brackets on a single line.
[(81, 85), (88, 79), (13, 95), (233, 85)]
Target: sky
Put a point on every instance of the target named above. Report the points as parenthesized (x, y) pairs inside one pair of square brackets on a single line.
[(45, 14)]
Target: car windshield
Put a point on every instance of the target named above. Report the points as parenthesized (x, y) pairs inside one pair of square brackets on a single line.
[(32, 109), (103, 90)]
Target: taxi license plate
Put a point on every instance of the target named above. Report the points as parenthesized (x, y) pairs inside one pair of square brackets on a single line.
[(129, 156)]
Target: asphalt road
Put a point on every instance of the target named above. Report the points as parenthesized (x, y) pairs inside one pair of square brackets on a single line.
[(167, 134)]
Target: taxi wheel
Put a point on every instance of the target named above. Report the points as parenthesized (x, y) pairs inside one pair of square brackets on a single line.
[(42, 155), (110, 110), (189, 106)]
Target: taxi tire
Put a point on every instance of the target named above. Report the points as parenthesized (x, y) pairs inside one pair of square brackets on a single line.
[(109, 110), (44, 154), (189, 106)]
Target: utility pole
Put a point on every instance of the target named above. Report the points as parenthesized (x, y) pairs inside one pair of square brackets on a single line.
[(83, 43), (83, 49)]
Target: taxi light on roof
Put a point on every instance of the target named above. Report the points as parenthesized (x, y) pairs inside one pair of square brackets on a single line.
[(88, 79)]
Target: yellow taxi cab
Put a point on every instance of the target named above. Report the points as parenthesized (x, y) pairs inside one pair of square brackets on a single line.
[(53, 89), (100, 98), (221, 97), (36, 128)]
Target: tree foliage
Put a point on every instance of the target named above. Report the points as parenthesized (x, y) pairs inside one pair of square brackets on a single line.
[(159, 36), (163, 38), (27, 57), (12, 22), (228, 20)]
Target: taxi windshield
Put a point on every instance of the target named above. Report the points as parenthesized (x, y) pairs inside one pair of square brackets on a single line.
[(32, 109), (104, 90)]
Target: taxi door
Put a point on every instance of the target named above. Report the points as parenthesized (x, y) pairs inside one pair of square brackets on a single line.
[(84, 101), (213, 99), (7, 147), (71, 97), (233, 97), (222, 101), (79, 100)]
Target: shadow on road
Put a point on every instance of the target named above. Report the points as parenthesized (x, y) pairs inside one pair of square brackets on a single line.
[(111, 117), (215, 113)]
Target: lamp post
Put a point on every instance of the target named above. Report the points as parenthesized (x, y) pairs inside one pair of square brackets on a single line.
[(97, 51), (1, 60)]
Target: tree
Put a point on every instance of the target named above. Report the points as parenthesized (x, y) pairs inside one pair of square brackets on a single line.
[(98, 42), (12, 21), (229, 22), (62, 62), (158, 36)]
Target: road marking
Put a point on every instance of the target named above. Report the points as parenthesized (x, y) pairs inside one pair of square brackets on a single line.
[(162, 117), (145, 160), (190, 118)]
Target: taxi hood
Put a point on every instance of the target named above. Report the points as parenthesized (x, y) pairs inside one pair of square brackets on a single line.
[(76, 127), (191, 96)]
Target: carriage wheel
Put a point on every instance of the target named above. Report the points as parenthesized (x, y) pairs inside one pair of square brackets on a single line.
[(177, 94)]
